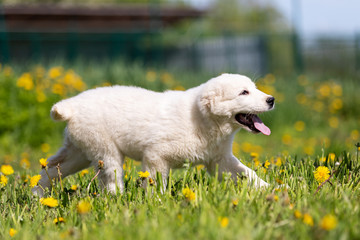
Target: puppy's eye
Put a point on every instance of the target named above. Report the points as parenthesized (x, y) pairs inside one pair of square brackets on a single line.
[(245, 92)]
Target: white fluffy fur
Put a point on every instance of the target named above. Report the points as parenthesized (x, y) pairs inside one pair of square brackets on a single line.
[(160, 129)]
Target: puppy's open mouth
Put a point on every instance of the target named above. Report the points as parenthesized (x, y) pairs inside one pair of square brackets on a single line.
[(253, 122)]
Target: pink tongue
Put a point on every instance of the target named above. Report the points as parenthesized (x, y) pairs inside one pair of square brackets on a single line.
[(259, 125)]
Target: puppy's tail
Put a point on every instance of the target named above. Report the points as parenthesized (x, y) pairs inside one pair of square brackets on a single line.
[(61, 111)]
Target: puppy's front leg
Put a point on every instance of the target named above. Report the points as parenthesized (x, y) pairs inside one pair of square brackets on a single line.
[(234, 166)]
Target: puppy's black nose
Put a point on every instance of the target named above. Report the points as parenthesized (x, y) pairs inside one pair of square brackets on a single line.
[(270, 101)]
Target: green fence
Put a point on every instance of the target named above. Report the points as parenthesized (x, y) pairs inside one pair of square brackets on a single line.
[(276, 53), (37, 46)]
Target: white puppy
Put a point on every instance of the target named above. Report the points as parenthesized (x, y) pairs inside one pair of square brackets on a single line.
[(160, 129)]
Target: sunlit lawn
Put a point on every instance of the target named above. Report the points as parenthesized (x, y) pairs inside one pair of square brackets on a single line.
[(315, 124)]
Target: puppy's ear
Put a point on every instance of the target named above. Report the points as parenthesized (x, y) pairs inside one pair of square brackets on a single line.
[(212, 102), (207, 98)]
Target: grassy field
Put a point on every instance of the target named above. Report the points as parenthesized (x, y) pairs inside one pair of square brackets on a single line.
[(315, 128)]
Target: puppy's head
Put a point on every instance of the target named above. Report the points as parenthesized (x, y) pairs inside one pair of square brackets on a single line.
[(235, 99)]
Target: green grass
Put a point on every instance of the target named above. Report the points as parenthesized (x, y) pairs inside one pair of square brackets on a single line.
[(307, 124), (148, 214)]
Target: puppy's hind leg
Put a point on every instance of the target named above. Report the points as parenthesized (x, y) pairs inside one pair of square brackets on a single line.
[(70, 160), (111, 174), (155, 164)]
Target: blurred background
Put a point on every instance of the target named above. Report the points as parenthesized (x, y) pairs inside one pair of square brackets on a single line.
[(304, 52), (254, 37)]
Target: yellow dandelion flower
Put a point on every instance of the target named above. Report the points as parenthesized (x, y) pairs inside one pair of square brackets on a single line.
[(334, 122), (297, 214), (189, 195), (328, 222), (74, 81), (151, 76), (151, 182), (256, 148), (302, 80), (106, 84), (309, 150), (144, 174), (25, 81), (354, 135), (7, 169), (55, 72), (308, 220), (39, 72), (25, 178), (254, 155), (299, 126), (324, 90), (336, 105), (79, 85), (25, 163), (337, 90), (246, 147), (318, 106), (286, 139), (278, 161), (224, 221), (179, 88), (332, 156), (235, 147), (256, 162), (3, 180), (8, 71), (69, 77), (83, 207), (269, 78), (58, 89), (43, 162), (50, 202), (267, 89), (73, 187), (59, 220), (45, 147), (84, 172), (167, 78), (266, 164), (321, 174), (279, 181), (200, 166), (34, 180), (235, 202), (12, 232)]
